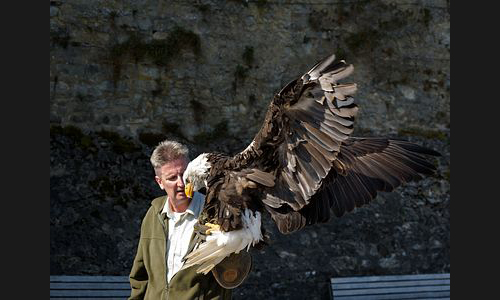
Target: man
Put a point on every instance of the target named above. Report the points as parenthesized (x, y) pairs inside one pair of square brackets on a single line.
[(166, 235)]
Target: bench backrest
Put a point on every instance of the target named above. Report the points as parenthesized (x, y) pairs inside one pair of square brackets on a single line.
[(421, 286), (99, 287)]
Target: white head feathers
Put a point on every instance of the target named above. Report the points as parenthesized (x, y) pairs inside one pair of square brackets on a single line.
[(197, 171)]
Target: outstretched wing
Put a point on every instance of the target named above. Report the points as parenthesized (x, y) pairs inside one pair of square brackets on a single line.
[(365, 166), (301, 136), (304, 143)]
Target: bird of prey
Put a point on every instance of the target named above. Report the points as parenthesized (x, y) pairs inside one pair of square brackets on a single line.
[(301, 166)]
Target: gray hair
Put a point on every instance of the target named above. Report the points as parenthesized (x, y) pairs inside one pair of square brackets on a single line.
[(168, 151)]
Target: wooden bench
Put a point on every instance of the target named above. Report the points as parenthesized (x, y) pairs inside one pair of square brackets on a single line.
[(89, 287), (422, 286)]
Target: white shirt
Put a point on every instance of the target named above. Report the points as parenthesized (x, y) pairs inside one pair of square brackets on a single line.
[(180, 230)]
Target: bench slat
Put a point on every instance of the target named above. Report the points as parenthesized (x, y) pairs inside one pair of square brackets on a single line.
[(389, 290), (87, 278), (405, 283), (421, 295), (89, 286), (391, 278), (89, 293), (87, 298)]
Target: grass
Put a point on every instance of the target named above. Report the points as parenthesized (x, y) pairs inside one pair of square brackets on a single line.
[(219, 131), (240, 72), (151, 139), (119, 144), (248, 55), (76, 134), (160, 52), (364, 39), (60, 39)]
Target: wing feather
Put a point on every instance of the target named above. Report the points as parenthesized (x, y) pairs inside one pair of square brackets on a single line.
[(264, 178), (370, 166)]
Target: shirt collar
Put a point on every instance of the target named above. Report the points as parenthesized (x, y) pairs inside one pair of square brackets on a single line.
[(194, 207)]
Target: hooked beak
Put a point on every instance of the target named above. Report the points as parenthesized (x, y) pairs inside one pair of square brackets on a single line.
[(188, 190)]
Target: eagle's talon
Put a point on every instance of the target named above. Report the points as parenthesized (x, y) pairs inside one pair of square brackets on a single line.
[(213, 227)]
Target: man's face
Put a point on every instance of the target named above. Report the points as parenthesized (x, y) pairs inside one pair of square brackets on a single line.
[(170, 180)]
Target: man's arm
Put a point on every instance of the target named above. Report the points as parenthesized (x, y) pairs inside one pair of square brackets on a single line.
[(138, 275)]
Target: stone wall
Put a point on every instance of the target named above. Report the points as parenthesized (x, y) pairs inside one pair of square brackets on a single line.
[(148, 66), (126, 74)]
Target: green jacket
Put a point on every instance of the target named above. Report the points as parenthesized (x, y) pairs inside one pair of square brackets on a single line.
[(148, 277)]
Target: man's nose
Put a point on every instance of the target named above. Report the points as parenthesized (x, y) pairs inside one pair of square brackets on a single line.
[(180, 182)]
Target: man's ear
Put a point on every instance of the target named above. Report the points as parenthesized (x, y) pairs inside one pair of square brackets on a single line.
[(158, 180)]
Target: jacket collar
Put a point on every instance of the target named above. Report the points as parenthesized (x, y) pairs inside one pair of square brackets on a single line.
[(158, 203)]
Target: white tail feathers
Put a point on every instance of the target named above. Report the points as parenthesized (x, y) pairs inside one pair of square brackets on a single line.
[(220, 244)]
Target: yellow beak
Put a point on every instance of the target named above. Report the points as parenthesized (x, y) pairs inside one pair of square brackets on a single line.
[(188, 190)]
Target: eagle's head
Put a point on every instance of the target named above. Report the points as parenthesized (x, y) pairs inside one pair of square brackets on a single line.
[(195, 175)]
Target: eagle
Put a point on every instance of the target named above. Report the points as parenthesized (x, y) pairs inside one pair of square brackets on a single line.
[(300, 168)]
